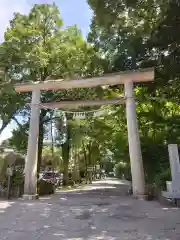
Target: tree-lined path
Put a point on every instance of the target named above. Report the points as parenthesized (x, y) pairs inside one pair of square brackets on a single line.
[(99, 211)]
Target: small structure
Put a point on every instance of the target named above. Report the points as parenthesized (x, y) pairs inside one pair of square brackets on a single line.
[(127, 79), (173, 187)]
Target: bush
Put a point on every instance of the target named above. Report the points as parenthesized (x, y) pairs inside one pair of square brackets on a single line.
[(122, 169), (162, 177), (45, 188), (16, 185), (17, 180)]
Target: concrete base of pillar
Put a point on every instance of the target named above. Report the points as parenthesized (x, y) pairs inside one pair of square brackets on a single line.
[(30, 197), (140, 197)]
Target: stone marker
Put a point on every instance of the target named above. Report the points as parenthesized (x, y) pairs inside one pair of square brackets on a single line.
[(173, 187), (174, 161)]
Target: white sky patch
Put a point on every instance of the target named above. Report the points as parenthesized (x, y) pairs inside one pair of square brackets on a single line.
[(7, 9), (7, 133)]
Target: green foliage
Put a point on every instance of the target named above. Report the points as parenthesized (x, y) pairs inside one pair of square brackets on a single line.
[(162, 177), (17, 183), (3, 165), (121, 170), (17, 179), (52, 156), (19, 138), (37, 48), (45, 188), (152, 41)]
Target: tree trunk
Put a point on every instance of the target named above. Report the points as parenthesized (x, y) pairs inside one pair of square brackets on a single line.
[(90, 173), (86, 163), (41, 138), (65, 156), (52, 139), (40, 147), (78, 168), (89, 154)]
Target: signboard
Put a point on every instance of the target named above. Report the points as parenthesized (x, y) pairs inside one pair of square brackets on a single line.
[(90, 169), (9, 172)]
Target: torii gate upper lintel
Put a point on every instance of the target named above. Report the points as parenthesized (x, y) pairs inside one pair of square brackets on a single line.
[(126, 78)]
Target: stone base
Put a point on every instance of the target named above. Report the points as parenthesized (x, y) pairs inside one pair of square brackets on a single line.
[(30, 197), (140, 197), (171, 195)]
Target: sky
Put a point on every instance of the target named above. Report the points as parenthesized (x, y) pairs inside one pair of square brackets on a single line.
[(72, 12)]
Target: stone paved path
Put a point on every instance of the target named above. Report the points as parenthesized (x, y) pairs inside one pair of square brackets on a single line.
[(101, 211)]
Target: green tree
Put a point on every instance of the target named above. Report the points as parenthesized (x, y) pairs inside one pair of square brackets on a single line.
[(38, 48), (133, 34)]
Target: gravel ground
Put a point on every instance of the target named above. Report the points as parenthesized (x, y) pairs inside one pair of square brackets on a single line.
[(99, 211)]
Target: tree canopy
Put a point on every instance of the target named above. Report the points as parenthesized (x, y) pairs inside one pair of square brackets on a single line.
[(134, 34)]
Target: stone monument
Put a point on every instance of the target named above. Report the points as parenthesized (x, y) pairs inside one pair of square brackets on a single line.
[(173, 187)]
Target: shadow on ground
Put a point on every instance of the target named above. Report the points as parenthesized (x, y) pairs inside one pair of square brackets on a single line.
[(99, 211)]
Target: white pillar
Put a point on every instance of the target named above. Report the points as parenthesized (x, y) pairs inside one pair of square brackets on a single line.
[(30, 185), (174, 161), (137, 171)]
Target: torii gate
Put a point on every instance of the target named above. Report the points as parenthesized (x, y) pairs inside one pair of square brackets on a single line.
[(127, 78)]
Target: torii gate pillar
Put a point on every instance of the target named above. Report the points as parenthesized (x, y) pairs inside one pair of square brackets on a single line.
[(137, 171), (30, 185)]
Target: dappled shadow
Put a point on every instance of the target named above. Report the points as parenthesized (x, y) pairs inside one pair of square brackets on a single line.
[(4, 205), (99, 211), (109, 187)]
